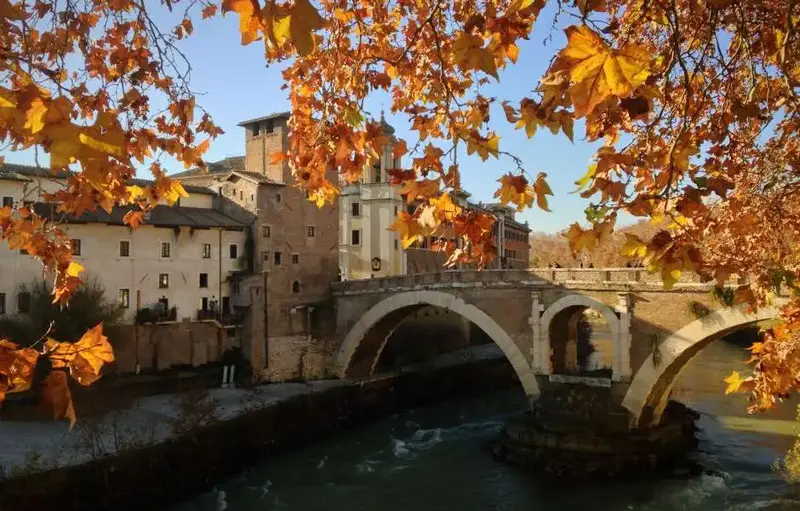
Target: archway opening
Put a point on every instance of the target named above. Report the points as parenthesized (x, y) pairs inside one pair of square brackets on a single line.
[(433, 334), (363, 345), (582, 343), (729, 330)]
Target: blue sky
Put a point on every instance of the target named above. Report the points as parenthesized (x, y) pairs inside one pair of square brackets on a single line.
[(235, 84)]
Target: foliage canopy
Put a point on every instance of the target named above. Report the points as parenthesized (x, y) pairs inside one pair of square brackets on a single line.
[(695, 102)]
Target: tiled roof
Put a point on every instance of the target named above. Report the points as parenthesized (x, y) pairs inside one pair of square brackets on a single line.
[(214, 168), (16, 172), (255, 176), (274, 115), (160, 216)]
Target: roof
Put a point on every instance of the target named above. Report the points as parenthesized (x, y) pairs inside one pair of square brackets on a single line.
[(17, 172), (215, 168), (160, 216), (274, 115)]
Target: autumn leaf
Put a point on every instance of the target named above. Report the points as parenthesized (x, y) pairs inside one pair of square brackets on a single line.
[(633, 247), (581, 239), (484, 146), (597, 71), (57, 397), (249, 20), (209, 11), (407, 227), (133, 219), (735, 383), (470, 53), (304, 21), (541, 189)]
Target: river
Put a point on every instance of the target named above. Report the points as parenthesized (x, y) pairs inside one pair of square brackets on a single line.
[(431, 459)]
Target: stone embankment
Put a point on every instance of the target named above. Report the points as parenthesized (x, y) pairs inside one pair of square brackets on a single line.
[(168, 447)]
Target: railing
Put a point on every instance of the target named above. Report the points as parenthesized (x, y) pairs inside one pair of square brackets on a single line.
[(227, 318), (541, 276), (156, 315)]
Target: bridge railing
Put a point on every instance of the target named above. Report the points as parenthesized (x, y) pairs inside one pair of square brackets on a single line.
[(498, 277)]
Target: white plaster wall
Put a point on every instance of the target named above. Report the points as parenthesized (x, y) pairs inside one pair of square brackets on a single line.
[(140, 271)]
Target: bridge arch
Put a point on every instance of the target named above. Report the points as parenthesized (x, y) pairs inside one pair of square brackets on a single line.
[(649, 391), (362, 345), (559, 314)]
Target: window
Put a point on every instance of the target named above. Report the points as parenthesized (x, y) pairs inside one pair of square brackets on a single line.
[(124, 248), (265, 256), (357, 209), (163, 280), (24, 302), (295, 258), (8, 201), (355, 237), (252, 197), (395, 211), (234, 251), (165, 249), (206, 250), (256, 129), (266, 231), (241, 195), (124, 298), (75, 245), (396, 244), (2, 303), (295, 287), (278, 198), (277, 258), (270, 126), (204, 280), (311, 231), (235, 288)]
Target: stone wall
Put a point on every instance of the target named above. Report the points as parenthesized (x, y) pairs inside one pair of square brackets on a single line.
[(165, 345)]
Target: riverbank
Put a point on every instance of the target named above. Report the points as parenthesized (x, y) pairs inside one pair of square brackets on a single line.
[(165, 448)]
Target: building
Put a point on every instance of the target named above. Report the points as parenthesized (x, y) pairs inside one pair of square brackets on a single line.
[(366, 210), (181, 257), (293, 253)]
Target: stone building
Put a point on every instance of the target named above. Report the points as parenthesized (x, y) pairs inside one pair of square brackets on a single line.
[(293, 249)]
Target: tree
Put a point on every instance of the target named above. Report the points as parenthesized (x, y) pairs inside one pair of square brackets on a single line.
[(695, 100), (87, 308)]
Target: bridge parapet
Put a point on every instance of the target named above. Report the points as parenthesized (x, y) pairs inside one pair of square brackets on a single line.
[(536, 277)]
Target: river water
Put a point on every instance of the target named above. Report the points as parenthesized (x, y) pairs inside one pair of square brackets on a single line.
[(431, 459)]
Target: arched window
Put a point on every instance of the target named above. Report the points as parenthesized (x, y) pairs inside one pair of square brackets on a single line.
[(295, 287)]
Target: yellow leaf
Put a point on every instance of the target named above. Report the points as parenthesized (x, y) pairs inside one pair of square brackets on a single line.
[(633, 247), (580, 239), (92, 352), (134, 192), (669, 276), (734, 382), (408, 228), (74, 269), (484, 146), (304, 21), (106, 145), (582, 182), (597, 71), (35, 116), (469, 53), (542, 190)]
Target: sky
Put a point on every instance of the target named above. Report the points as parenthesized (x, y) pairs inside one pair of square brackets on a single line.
[(234, 84)]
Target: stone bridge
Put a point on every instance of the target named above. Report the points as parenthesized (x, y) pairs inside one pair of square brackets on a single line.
[(532, 316)]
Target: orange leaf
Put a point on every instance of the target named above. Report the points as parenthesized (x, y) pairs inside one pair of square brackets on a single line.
[(209, 11), (133, 218), (56, 396), (276, 157)]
